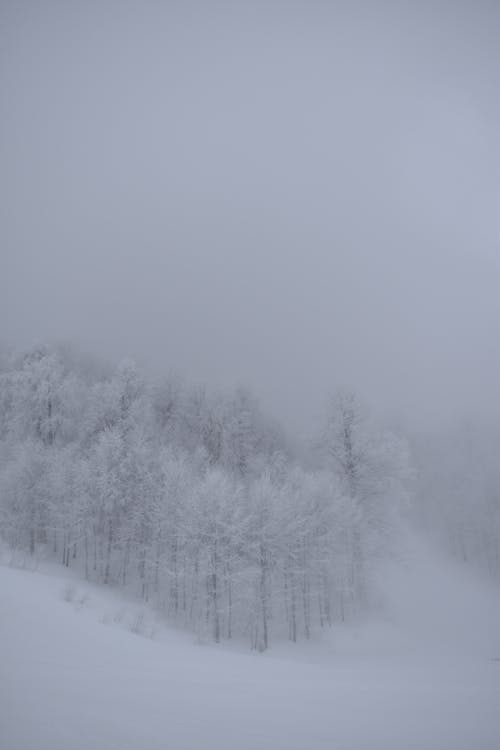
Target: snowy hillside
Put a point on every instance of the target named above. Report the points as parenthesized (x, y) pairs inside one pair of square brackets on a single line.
[(84, 668)]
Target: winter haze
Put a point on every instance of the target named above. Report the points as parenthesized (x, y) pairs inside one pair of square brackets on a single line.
[(249, 375), (285, 195)]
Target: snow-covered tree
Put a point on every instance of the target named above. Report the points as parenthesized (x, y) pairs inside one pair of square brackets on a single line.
[(373, 469)]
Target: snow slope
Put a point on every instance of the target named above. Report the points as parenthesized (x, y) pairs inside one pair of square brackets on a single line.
[(74, 676)]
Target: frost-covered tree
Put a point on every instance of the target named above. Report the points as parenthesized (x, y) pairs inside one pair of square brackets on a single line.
[(373, 469), (41, 400), (26, 499)]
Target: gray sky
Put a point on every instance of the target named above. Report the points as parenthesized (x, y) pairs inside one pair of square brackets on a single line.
[(290, 195)]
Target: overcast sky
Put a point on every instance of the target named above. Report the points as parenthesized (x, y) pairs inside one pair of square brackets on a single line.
[(289, 195)]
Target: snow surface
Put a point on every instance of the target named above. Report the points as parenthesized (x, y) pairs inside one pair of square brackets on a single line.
[(84, 668)]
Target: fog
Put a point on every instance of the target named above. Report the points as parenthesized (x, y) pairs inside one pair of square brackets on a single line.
[(302, 198), (287, 195)]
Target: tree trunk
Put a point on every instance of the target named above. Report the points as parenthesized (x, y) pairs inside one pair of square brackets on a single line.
[(108, 553)]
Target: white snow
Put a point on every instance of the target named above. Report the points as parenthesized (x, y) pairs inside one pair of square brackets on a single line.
[(74, 675)]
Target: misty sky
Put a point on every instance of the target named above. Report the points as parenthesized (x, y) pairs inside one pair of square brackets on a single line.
[(289, 195)]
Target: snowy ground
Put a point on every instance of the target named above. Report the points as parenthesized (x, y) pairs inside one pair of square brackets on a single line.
[(75, 676)]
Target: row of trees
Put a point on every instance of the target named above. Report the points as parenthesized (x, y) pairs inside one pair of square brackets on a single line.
[(194, 500)]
